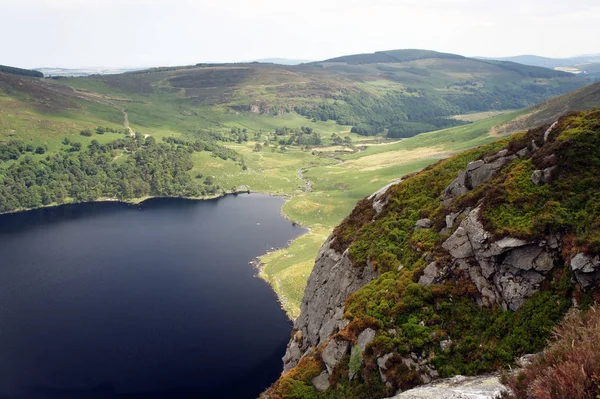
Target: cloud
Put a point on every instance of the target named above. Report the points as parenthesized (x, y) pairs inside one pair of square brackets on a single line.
[(170, 32)]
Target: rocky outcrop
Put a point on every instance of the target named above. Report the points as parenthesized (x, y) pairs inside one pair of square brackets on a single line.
[(506, 272), (333, 279), (586, 268), (459, 387), (477, 172), (379, 198)]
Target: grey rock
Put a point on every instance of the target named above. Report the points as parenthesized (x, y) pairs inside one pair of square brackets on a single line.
[(423, 224), (475, 165), (446, 344), (365, 337), (549, 130), (321, 382), (529, 257), (585, 263), (506, 272), (537, 177), (458, 244), (333, 353), (429, 275), (523, 152), (467, 238), (475, 174), (292, 355), (481, 387), (517, 285), (586, 268), (499, 154), (456, 188), (450, 219), (377, 197), (381, 363)]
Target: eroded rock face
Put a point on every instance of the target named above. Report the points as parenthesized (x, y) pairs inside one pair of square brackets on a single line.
[(506, 272), (332, 280)]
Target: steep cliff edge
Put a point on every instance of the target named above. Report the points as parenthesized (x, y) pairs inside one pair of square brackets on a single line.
[(458, 269)]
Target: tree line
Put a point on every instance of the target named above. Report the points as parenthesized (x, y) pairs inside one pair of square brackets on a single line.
[(87, 174)]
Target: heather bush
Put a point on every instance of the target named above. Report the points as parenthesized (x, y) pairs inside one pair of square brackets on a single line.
[(570, 367)]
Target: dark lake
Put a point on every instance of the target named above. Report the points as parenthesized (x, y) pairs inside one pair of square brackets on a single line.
[(109, 300)]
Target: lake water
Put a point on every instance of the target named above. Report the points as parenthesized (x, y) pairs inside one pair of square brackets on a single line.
[(109, 300)]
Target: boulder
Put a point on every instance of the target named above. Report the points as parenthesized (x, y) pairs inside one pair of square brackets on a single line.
[(321, 382), (429, 274), (333, 353), (537, 177), (585, 263), (477, 172), (586, 268), (549, 130), (423, 224), (365, 337)]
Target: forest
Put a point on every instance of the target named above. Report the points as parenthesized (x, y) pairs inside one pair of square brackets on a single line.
[(125, 168)]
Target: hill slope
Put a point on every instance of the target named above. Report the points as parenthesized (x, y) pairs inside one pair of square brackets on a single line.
[(550, 110), (552, 63), (458, 269), (405, 91)]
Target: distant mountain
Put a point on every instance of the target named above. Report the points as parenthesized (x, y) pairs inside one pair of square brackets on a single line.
[(74, 72), (552, 63), (282, 61), (393, 56)]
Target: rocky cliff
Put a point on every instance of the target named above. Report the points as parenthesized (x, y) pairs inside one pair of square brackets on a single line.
[(458, 269)]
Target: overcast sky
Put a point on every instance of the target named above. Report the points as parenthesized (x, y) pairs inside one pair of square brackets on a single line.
[(121, 33)]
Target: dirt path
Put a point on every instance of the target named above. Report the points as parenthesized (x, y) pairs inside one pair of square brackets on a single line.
[(308, 184), (126, 122), (99, 98)]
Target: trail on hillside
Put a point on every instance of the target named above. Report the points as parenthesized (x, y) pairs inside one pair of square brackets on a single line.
[(307, 183), (102, 99), (126, 122)]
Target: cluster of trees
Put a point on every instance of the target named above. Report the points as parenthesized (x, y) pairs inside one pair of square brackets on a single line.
[(199, 145), (338, 140), (87, 174), (13, 150)]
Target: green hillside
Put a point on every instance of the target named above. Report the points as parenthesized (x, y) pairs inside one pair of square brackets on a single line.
[(260, 127), (444, 301)]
